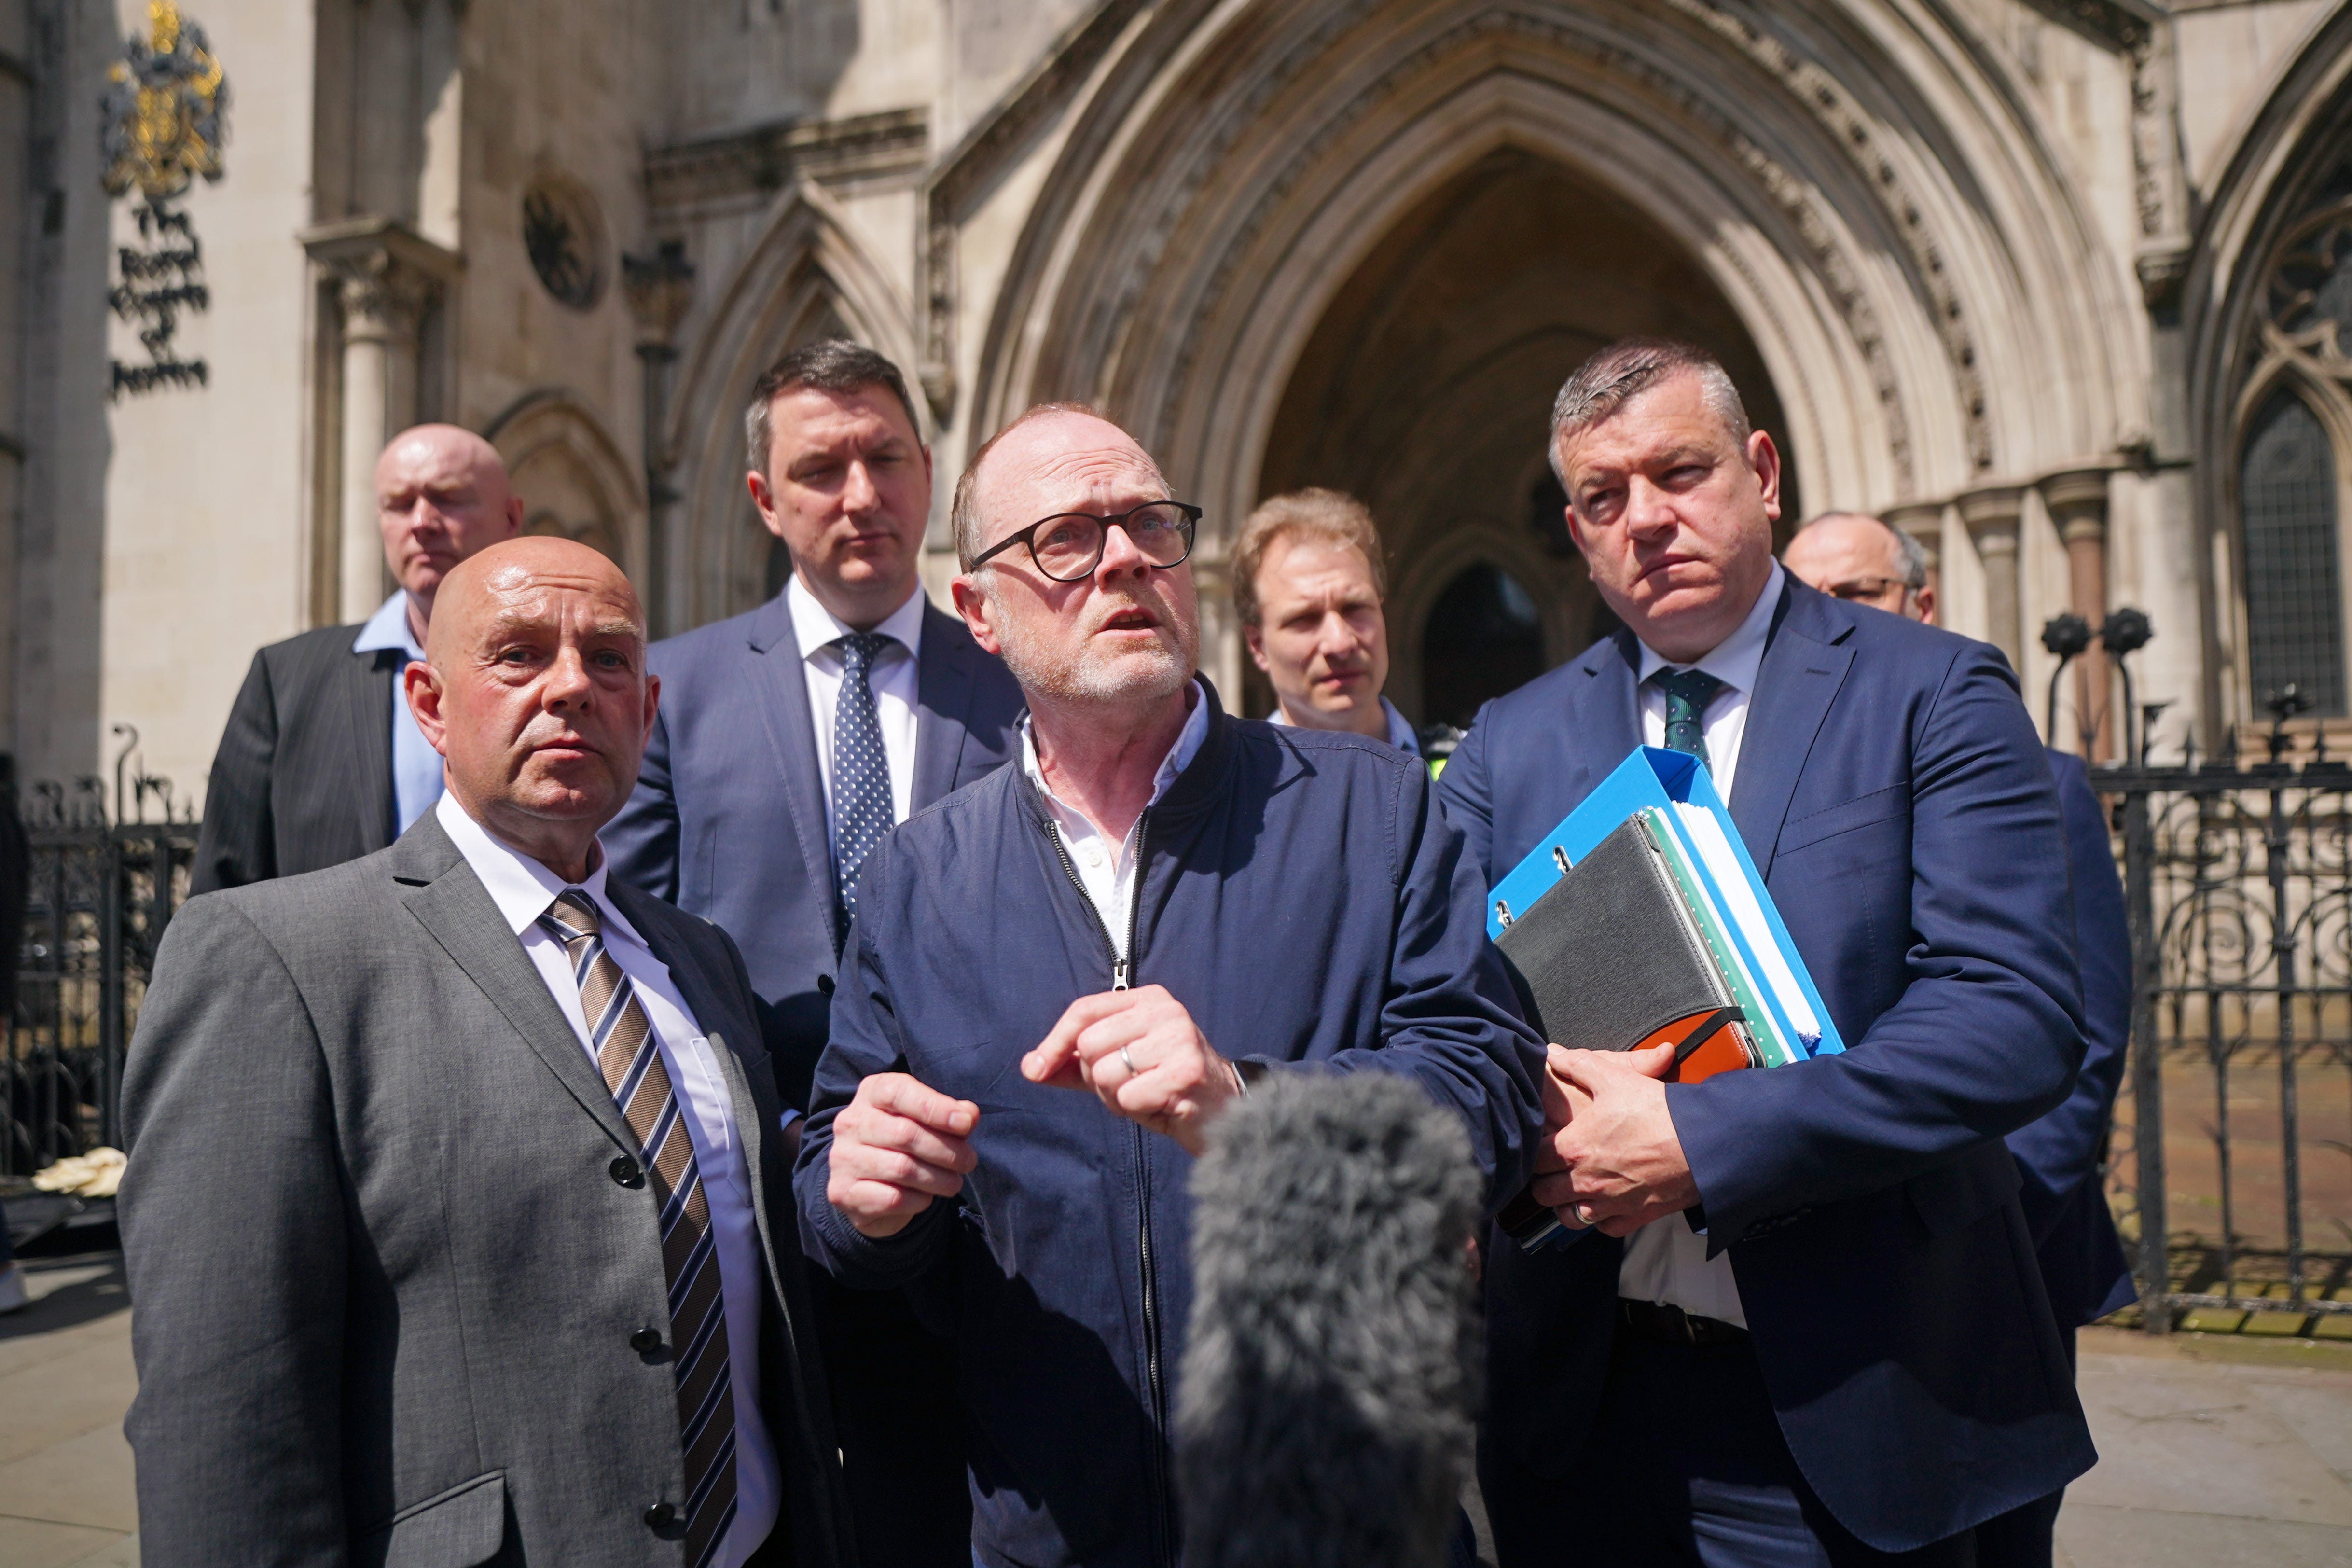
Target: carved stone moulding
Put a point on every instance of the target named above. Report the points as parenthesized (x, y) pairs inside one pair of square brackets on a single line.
[(891, 144), (387, 274)]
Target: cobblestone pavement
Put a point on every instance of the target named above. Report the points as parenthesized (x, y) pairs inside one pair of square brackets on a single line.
[(2214, 1451)]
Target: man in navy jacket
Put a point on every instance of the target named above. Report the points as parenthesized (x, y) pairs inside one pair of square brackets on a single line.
[(1810, 1328), (1060, 976)]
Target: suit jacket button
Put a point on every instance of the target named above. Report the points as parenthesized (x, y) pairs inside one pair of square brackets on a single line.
[(824, 985), (627, 1172), (659, 1516), (645, 1341)]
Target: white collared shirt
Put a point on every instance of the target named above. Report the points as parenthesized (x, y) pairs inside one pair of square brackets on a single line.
[(1107, 871), (1401, 734), (523, 889), (892, 678), (415, 765), (1666, 1260)]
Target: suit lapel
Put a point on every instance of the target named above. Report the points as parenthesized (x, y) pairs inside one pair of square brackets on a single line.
[(1605, 724), (942, 698), (792, 738), (367, 707), (1804, 667), (450, 902)]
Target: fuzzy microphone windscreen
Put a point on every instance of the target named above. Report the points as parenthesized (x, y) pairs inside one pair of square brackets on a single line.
[(1324, 1414)]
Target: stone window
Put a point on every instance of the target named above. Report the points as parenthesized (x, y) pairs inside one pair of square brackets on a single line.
[(2295, 604)]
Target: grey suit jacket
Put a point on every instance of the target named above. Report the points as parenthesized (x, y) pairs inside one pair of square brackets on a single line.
[(728, 821), (303, 777), (384, 1272)]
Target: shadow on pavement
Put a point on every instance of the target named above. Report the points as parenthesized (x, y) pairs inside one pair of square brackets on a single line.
[(98, 1289)]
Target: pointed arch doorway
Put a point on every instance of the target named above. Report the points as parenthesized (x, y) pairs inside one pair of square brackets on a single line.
[(1426, 389)]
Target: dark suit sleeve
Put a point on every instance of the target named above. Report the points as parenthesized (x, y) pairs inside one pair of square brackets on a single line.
[(640, 843), (1451, 1022), (238, 843), (865, 1040), (234, 1232), (1986, 1034), (2060, 1152), (1467, 792)]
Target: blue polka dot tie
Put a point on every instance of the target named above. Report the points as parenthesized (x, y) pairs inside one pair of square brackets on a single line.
[(862, 810), (1688, 691)]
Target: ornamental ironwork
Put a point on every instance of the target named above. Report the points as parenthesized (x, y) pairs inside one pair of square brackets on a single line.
[(162, 125)]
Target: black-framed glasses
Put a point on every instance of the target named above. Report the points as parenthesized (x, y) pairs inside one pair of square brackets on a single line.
[(1069, 546)]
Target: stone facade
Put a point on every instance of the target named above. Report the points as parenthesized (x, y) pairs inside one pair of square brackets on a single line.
[(2029, 278)]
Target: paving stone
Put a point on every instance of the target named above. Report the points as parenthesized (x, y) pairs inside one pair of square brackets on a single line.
[(86, 1480), (2188, 1437), (37, 1543), (2092, 1536), (124, 1553), (83, 1390)]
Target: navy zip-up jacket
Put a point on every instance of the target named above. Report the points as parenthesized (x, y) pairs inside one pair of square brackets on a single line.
[(1303, 897)]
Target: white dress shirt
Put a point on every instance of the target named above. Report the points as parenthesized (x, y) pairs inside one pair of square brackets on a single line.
[(1107, 871), (1400, 735), (523, 889), (892, 678), (415, 765), (1666, 1260)]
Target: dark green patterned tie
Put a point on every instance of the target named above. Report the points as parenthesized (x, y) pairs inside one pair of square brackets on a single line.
[(1688, 691)]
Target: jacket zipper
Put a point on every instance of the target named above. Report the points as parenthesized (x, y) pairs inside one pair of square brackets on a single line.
[(1121, 971)]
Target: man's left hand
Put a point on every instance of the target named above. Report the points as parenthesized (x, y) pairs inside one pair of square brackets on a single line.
[(1610, 1157), (1142, 1055)]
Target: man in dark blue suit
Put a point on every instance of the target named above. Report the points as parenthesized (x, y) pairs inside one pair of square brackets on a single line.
[(1863, 560), (1811, 1328), (789, 739)]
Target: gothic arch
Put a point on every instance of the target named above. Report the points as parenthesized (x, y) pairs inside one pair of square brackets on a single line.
[(1231, 168), (806, 275), (573, 477)]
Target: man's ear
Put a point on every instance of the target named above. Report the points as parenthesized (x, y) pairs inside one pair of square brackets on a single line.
[(422, 687), (764, 498), (514, 515), (1765, 458), (1254, 638), (973, 605)]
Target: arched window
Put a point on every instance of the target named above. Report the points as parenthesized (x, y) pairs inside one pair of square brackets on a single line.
[(2295, 595), (1484, 637)]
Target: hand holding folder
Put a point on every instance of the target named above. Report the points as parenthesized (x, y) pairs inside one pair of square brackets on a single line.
[(1641, 922)]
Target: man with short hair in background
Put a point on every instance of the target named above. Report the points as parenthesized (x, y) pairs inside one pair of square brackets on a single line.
[(322, 762), (1309, 586), (789, 739), (2075, 1240), (1060, 977), (1854, 556)]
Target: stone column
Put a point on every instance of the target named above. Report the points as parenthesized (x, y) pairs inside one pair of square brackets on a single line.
[(2078, 505), (386, 278), (660, 287), (1923, 521), (1991, 517)]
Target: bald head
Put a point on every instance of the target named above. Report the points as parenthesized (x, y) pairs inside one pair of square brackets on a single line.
[(441, 496), (1856, 557), (534, 691)]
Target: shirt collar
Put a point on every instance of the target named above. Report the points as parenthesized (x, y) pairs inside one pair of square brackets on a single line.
[(1180, 755), (519, 885), (814, 626), (1736, 659), (1401, 734), (388, 627)]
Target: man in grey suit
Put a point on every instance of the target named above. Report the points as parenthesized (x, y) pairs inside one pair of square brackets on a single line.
[(321, 763), (789, 740), (504, 1265)]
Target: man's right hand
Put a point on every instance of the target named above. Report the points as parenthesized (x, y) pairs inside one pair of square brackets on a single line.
[(896, 1146)]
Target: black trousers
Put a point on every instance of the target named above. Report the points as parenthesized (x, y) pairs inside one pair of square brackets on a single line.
[(1687, 1469)]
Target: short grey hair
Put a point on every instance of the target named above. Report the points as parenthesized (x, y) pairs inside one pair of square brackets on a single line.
[(1629, 367), (829, 364), (964, 522), (1910, 555)]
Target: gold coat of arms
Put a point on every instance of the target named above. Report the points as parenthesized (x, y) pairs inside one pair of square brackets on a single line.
[(162, 109)]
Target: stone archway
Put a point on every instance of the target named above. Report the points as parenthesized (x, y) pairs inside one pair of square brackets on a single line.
[(1424, 388)]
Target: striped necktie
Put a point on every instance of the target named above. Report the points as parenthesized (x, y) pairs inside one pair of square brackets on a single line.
[(632, 1064)]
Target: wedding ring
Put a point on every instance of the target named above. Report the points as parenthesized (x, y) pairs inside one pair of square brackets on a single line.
[(1584, 1213), (1128, 1063)]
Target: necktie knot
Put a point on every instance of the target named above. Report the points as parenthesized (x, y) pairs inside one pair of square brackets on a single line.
[(572, 916), (860, 650), (1687, 693)]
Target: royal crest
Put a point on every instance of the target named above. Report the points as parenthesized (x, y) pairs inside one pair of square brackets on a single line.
[(162, 109)]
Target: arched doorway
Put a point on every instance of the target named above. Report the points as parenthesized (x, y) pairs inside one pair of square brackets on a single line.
[(1426, 387)]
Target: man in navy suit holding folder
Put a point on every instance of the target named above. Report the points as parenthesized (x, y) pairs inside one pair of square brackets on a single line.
[(1810, 1329)]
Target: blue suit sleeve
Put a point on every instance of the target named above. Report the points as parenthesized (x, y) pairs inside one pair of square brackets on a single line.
[(1986, 1034), (1467, 792), (1451, 1021), (865, 1040), (640, 843), (2057, 1153)]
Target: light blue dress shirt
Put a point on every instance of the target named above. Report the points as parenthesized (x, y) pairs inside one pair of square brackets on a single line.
[(1401, 734), (415, 765)]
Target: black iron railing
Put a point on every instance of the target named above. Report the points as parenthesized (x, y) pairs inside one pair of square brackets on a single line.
[(103, 879), (2231, 1168)]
